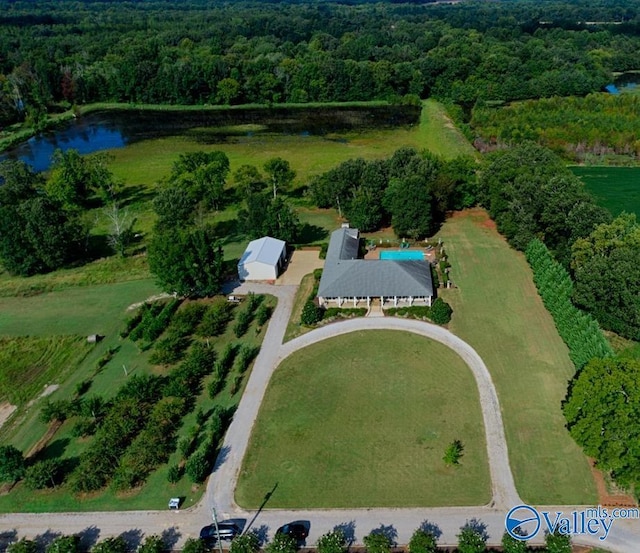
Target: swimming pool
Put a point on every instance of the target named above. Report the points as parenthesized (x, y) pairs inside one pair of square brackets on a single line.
[(402, 255)]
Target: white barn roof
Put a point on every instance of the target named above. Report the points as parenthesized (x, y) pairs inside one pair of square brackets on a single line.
[(263, 250)]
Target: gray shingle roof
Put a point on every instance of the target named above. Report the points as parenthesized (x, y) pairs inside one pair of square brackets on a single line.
[(346, 276)]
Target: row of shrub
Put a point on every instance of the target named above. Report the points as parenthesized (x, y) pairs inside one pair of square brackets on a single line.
[(246, 316), (579, 330), (440, 312), (472, 538), (150, 321)]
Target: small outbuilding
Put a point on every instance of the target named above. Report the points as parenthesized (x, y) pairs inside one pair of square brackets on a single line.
[(263, 259)]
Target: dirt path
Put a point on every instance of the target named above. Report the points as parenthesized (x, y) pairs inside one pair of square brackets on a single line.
[(6, 410)]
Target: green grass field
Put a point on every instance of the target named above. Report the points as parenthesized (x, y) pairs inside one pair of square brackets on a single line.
[(363, 420), (616, 188), (28, 364), (497, 310)]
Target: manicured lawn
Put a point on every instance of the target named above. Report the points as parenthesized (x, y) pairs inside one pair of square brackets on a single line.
[(363, 420), (497, 310), (616, 188), (295, 327)]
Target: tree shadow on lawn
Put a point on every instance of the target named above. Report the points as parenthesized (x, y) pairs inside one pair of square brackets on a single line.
[(228, 231), (137, 193), (54, 450), (311, 233)]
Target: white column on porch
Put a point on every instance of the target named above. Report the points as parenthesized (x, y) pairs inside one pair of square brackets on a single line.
[(410, 301), (339, 301), (429, 301), (355, 301), (368, 301), (395, 301)]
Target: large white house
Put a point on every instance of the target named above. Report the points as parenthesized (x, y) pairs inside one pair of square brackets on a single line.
[(345, 278), (263, 259)]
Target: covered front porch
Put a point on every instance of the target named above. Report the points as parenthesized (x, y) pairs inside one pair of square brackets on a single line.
[(385, 301)]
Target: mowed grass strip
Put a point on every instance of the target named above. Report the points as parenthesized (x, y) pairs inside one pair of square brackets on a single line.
[(28, 364), (79, 310), (498, 311), (363, 420)]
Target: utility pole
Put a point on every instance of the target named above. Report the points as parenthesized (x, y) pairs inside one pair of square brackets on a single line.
[(215, 522)]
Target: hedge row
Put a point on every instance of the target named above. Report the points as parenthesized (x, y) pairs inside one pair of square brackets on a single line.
[(440, 312), (579, 330)]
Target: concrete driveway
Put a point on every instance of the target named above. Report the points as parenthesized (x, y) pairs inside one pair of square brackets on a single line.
[(302, 263)]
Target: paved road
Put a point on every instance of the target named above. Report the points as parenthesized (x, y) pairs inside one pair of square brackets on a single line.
[(400, 523)]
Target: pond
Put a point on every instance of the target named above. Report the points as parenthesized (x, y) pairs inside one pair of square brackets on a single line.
[(115, 129), (627, 81)]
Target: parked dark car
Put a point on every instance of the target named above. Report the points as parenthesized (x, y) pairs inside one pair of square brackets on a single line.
[(227, 531), (297, 530)]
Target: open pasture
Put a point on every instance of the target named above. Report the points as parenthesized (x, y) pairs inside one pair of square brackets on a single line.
[(496, 309)]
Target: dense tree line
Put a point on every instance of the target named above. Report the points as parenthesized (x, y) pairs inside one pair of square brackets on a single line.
[(531, 194), (207, 52), (412, 191), (601, 411), (573, 127), (579, 330), (606, 268)]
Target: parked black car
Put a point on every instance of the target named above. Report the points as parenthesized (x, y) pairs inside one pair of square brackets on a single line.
[(227, 531), (297, 530)]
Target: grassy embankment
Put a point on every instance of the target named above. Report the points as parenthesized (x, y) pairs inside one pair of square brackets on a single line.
[(498, 311), (363, 420), (81, 311)]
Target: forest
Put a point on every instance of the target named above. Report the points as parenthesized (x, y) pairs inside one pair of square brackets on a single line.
[(55, 54)]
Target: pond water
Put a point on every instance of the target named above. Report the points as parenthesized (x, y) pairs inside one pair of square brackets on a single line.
[(115, 129), (626, 81)]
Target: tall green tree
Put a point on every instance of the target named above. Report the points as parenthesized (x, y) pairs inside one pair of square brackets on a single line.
[(203, 175), (423, 542), (37, 236), (606, 268), (265, 216), (411, 207), (188, 262), (65, 544), (12, 464), (74, 178), (471, 540), (280, 174), (600, 409)]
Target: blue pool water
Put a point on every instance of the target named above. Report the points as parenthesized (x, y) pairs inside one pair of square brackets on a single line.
[(402, 255)]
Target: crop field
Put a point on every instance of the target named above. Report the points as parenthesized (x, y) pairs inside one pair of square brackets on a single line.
[(363, 420), (497, 310), (616, 188)]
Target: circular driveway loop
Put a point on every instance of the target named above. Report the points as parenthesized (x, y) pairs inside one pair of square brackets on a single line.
[(219, 494)]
